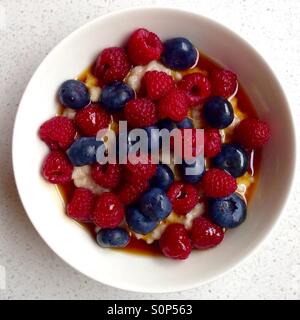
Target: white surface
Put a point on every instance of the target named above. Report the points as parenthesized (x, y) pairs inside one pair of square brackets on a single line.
[(31, 31)]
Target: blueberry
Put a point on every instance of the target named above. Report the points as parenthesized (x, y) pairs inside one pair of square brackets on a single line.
[(113, 238), (198, 169), (83, 151), (218, 112), (166, 124), (153, 138), (155, 205), (186, 123), (179, 53), (115, 95), (138, 222), (232, 158), (163, 177), (74, 94), (228, 212)]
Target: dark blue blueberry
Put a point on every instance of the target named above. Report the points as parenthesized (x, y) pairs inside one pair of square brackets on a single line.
[(138, 222), (179, 53), (163, 177), (166, 124), (113, 238), (218, 112), (186, 123), (155, 205), (232, 158), (74, 94), (115, 95), (197, 168), (83, 151), (228, 212), (153, 138)]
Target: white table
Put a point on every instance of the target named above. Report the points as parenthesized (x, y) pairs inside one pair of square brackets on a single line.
[(32, 28)]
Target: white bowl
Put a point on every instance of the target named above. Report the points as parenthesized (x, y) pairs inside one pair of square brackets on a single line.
[(74, 244)]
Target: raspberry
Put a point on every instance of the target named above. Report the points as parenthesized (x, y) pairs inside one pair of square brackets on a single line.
[(56, 168), (112, 64), (107, 176), (144, 46), (157, 84), (205, 234), (175, 242), (224, 83), (143, 168), (175, 105), (92, 119), (81, 206), (130, 192), (197, 87), (58, 132), (140, 113), (218, 183), (184, 197), (109, 211), (212, 143), (252, 133)]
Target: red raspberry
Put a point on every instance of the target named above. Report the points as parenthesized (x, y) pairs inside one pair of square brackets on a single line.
[(57, 168), (218, 183), (109, 211), (58, 132), (130, 192), (112, 64), (212, 143), (92, 119), (81, 206), (224, 83), (157, 84), (175, 242), (197, 86), (252, 133), (205, 234), (143, 169), (107, 176), (140, 113), (144, 46), (175, 105), (184, 197)]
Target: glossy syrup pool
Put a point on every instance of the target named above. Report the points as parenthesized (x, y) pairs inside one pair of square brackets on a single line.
[(242, 105)]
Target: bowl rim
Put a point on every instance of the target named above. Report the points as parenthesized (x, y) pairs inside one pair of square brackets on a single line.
[(289, 192)]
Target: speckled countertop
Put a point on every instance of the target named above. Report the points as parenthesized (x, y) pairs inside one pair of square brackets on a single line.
[(28, 30)]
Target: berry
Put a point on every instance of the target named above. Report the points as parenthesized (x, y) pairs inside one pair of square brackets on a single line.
[(175, 105), (218, 112), (218, 183), (115, 95), (175, 242), (186, 123), (81, 206), (131, 191), (155, 205), (144, 46), (113, 238), (232, 159), (143, 168), (56, 168), (112, 64), (107, 176), (184, 197), (163, 178), (157, 84), (252, 133), (205, 234), (224, 83), (109, 211), (167, 124), (192, 171), (74, 94), (212, 143), (92, 119), (228, 212), (83, 151), (197, 86), (58, 133), (140, 113), (138, 222), (179, 53)]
